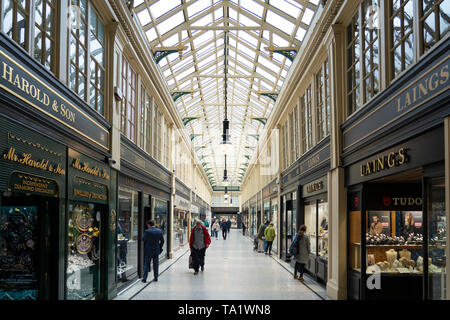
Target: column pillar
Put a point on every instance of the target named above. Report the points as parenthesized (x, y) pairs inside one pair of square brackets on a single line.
[(447, 198), (337, 193), (170, 222)]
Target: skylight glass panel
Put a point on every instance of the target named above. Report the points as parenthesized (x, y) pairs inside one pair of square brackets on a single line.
[(290, 7), (185, 73), (171, 23), (314, 2), (279, 22), (206, 61), (151, 34), (161, 7), (171, 41), (279, 41), (202, 39), (205, 21), (205, 50), (263, 61), (231, 42), (218, 14), (243, 71), (171, 82), (248, 38), (137, 3), (300, 33), (253, 7), (232, 14), (246, 21), (144, 17), (197, 7), (307, 16)]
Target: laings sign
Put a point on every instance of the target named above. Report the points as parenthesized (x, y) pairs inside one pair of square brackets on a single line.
[(392, 159)]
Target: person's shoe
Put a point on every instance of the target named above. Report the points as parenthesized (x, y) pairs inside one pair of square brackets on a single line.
[(203, 268), (295, 276), (195, 273), (144, 281), (301, 279), (155, 280)]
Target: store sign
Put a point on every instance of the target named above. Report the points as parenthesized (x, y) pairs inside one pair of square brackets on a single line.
[(194, 209), (313, 187), (86, 190), (92, 170), (315, 160), (21, 182), (30, 88), (181, 203), (384, 162), (27, 159), (402, 201)]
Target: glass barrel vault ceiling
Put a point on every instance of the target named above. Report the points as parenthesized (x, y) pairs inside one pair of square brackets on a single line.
[(201, 24)]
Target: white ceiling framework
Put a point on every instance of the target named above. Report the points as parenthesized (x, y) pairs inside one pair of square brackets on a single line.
[(248, 26)]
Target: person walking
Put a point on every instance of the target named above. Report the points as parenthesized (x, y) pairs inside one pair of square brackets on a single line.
[(223, 226), (300, 248), (153, 246), (243, 228), (269, 234), (228, 225), (261, 237), (215, 229), (198, 243)]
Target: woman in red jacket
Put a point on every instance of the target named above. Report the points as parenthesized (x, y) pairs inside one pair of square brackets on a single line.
[(199, 242)]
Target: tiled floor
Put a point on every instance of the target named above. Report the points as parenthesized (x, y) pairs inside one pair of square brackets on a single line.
[(233, 271)]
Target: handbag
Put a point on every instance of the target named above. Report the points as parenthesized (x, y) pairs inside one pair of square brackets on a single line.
[(191, 262)]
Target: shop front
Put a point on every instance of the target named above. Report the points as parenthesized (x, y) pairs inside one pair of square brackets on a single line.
[(87, 225), (316, 219), (144, 194), (31, 210), (253, 217), (181, 216), (58, 192), (288, 210), (397, 224)]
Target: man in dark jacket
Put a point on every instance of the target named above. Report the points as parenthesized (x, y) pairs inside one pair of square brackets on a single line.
[(153, 246), (223, 226), (228, 225), (199, 242)]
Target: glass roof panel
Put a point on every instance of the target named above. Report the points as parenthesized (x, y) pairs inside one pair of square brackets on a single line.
[(169, 24), (161, 7), (250, 67), (292, 8), (276, 20)]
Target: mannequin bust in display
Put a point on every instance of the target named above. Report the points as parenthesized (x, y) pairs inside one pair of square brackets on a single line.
[(391, 256), (405, 253)]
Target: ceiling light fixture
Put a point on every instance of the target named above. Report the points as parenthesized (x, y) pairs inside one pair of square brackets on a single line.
[(225, 145)]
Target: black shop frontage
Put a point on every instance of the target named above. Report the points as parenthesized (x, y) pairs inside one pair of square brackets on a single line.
[(394, 172), (57, 190), (144, 194), (304, 200)]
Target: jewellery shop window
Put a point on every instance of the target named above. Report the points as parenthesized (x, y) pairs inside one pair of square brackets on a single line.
[(127, 234), (310, 222), (160, 217), (322, 221), (437, 233), (84, 252)]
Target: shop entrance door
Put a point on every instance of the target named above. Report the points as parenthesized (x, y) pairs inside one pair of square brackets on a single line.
[(28, 247)]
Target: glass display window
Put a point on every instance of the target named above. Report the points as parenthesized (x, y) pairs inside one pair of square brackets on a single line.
[(266, 211), (127, 234), (160, 210), (311, 224), (180, 227), (394, 241), (274, 219), (18, 252), (84, 250), (323, 229), (437, 234)]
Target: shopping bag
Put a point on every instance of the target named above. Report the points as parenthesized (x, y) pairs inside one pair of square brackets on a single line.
[(191, 262)]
